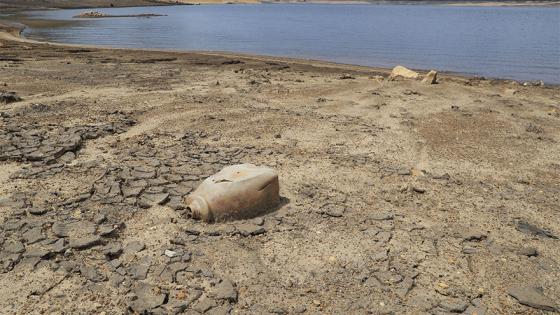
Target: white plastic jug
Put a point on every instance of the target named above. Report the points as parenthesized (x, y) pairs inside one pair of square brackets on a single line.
[(236, 192)]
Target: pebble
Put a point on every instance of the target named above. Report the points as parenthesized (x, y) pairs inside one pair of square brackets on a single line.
[(134, 247), (138, 271), (37, 211), (528, 251), (147, 298), (204, 304), (33, 235), (14, 247), (170, 253), (454, 305), (225, 290), (532, 297), (92, 274), (249, 229), (84, 242)]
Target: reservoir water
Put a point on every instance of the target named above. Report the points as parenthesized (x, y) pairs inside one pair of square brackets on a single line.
[(521, 43)]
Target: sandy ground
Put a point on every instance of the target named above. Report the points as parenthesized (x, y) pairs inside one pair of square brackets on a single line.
[(398, 197)]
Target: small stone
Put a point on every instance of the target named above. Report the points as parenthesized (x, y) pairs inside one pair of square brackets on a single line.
[(204, 304), (431, 77), (258, 221), (14, 247), (107, 230), (138, 271), (387, 277), (85, 242), (147, 200), (147, 298), (528, 228), (58, 246), (99, 218), (381, 216), (92, 274), (134, 247), (300, 309), (528, 251), (112, 250), (472, 235), (454, 305), (225, 290), (33, 235), (532, 297), (470, 250), (419, 190), (37, 211), (170, 253), (59, 229), (249, 229)]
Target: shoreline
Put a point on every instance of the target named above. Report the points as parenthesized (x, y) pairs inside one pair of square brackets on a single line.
[(17, 34)]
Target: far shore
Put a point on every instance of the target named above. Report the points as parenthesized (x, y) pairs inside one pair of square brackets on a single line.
[(15, 5)]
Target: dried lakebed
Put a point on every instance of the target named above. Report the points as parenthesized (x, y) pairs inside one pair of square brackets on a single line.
[(398, 196)]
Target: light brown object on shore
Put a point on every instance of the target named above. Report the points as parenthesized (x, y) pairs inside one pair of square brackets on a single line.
[(431, 77), (402, 72)]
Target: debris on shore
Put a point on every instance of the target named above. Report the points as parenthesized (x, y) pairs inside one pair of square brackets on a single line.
[(97, 14)]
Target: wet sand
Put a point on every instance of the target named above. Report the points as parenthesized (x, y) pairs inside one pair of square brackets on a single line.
[(398, 196)]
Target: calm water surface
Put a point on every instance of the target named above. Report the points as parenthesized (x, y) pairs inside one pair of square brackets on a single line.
[(516, 43)]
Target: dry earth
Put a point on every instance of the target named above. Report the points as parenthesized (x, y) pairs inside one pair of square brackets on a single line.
[(398, 197)]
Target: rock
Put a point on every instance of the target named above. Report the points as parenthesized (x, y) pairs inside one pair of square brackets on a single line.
[(147, 298), (67, 157), (472, 235), (381, 216), (249, 229), (14, 247), (99, 218), (333, 210), (454, 305), (139, 271), (528, 251), (147, 200), (527, 228), (419, 190), (532, 297), (134, 247), (58, 246), (33, 235), (387, 277), (405, 287), (402, 72), (84, 242), (92, 274), (346, 77), (59, 229), (431, 77), (37, 211), (9, 97), (169, 253), (112, 250), (225, 290), (204, 304)]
